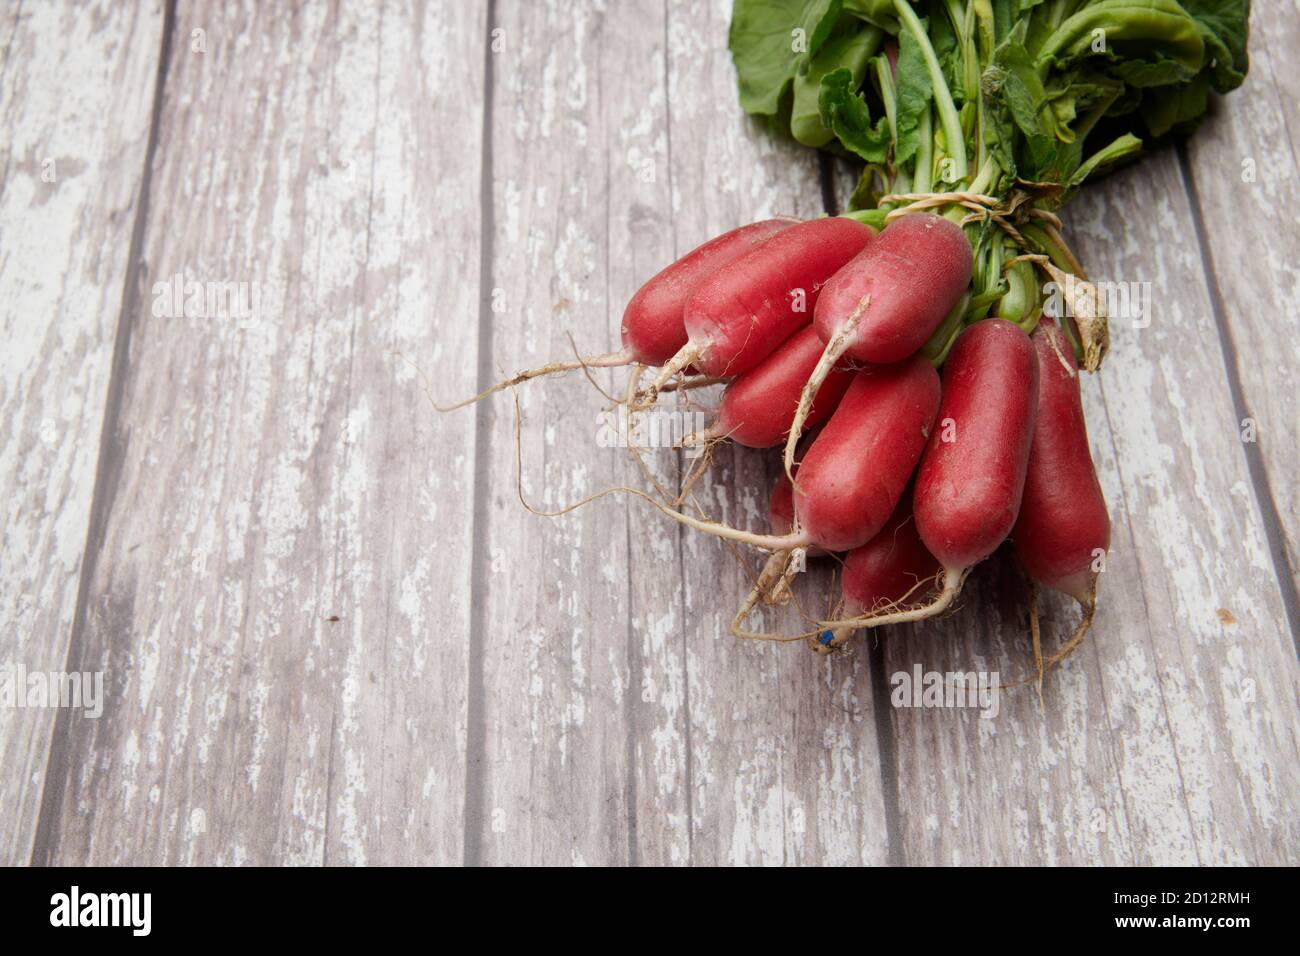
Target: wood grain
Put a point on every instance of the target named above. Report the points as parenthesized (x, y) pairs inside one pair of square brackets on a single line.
[(554, 786), (330, 632), (1244, 175), (76, 86), (282, 590)]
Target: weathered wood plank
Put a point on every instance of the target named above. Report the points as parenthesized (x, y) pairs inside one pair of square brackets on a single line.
[(603, 743), (76, 87), (1172, 736), (1229, 687), (1245, 175), (1276, 87), (577, 157), (783, 761), (282, 589)]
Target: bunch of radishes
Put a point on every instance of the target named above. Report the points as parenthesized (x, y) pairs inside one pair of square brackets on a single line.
[(917, 480), (928, 411), (820, 328)]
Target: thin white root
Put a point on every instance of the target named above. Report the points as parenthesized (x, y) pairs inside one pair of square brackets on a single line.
[(1089, 606), (1036, 638), (831, 639), (835, 348), (611, 360), (769, 576), (698, 381), (684, 357), (952, 580), (782, 592), (702, 437), (768, 542), (1080, 631)]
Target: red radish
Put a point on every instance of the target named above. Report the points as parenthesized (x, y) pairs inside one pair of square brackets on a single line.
[(850, 482), (741, 313), (892, 568), (780, 508), (885, 304), (1063, 525), (970, 482), (857, 467), (757, 407), (856, 471), (653, 329), (888, 569)]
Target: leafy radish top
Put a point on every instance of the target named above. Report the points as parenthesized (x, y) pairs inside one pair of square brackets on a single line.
[(1050, 90), (990, 113)]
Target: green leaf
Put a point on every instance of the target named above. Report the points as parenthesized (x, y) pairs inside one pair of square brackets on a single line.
[(1125, 147), (1225, 25), (1180, 107), (865, 192), (912, 92), (1011, 83), (1034, 80), (846, 113), (850, 47), (1128, 29), (769, 40), (879, 13), (1161, 71)]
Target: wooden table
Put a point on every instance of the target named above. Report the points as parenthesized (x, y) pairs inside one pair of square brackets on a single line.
[(330, 633)]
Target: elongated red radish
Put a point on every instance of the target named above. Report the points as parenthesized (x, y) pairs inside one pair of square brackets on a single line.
[(1063, 526), (891, 570), (740, 314), (780, 508), (653, 330), (857, 467), (885, 303), (855, 471), (758, 407), (888, 569), (970, 483), (853, 476)]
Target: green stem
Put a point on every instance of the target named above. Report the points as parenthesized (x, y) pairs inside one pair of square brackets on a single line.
[(1020, 304), (1045, 245), (984, 178), (923, 180), (875, 218), (949, 120), (888, 95), (936, 349), (885, 80)]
